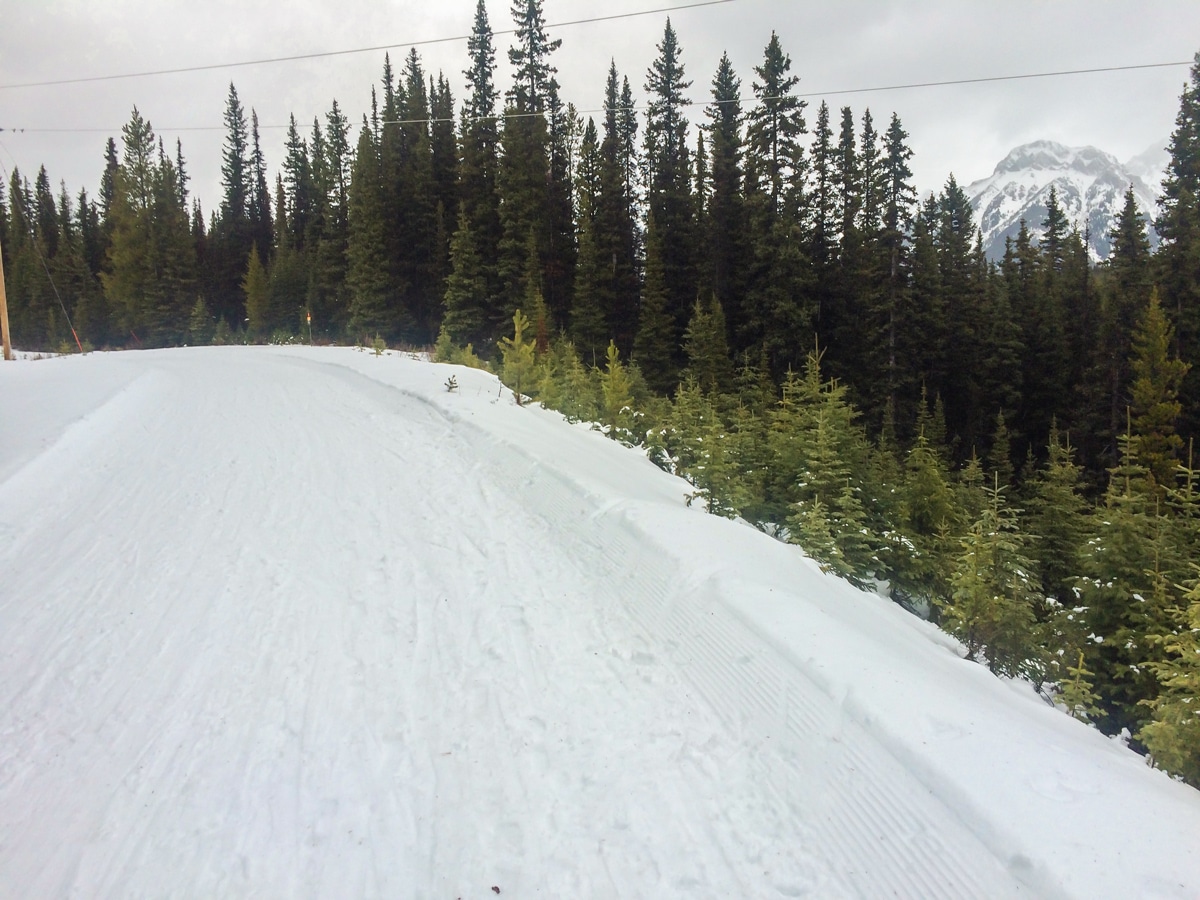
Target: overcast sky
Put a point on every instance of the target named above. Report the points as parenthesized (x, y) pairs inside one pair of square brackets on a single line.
[(834, 46)]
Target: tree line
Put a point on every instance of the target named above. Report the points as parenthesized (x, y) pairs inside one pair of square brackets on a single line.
[(761, 300)]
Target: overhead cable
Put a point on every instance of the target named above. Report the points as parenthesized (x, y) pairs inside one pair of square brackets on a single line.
[(330, 53), (687, 103)]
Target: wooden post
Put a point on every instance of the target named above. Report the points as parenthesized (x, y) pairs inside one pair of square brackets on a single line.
[(8, 354)]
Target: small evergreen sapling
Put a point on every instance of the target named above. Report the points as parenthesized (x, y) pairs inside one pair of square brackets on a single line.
[(517, 358), (617, 393), (200, 325), (991, 605), (1173, 735), (1076, 694)]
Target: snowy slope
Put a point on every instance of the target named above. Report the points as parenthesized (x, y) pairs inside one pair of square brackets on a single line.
[(297, 621), (1091, 186)]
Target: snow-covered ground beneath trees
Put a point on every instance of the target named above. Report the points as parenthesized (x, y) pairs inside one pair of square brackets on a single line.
[(301, 622)]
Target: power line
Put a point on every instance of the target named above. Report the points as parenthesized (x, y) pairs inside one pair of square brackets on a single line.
[(867, 90), (926, 84), (687, 103), (331, 53)]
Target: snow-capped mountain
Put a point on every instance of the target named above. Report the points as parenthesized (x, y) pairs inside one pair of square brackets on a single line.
[(1091, 187), (1151, 165)]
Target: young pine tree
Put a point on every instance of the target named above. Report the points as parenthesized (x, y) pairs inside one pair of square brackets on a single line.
[(1123, 592), (1157, 378), (466, 306), (1173, 734), (256, 289), (990, 607), (707, 348), (518, 362), (616, 391)]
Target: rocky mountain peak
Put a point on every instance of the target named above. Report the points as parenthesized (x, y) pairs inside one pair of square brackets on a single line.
[(1090, 184)]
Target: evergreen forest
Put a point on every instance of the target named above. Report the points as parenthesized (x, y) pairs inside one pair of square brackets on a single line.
[(759, 299)]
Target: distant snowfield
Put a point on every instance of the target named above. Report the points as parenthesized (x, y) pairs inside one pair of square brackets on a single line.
[(301, 622)]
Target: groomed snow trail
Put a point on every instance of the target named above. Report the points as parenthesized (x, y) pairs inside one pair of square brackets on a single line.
[(272, 628), (294, 622)]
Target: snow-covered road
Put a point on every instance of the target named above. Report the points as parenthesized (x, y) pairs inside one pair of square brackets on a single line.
[(300, 622)]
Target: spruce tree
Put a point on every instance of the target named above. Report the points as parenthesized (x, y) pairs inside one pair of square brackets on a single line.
[(824, 196), (725, 223), (444, 152), (1173, 734), (525, 164), (776, 126), (1122, 590), (1057, 521), (589, 325), (151, 257), (819, 459), (963, 276), (479, 161), (412, 228), (181, 174), (1178, 225), (990, 607), (558, 262), (73, 277), (256, 289), (1045, 360), (108, 177), (328, 232), (200, 324), (893, 319), (177, 267), (259, 224), (518, 360), (668, 180), (929, 520), (1125, 295), (707, 348), (300, 188), (1076, 693), (466, 318), (236, 173), (45, 213), (841, 309), (779, 313), (1154, 395), (615, 215), (847, 178), (232, 235), (616, 391), (29, 292), (373, 307), (653, 349)]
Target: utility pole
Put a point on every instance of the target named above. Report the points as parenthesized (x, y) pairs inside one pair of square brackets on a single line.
[(4, 311)]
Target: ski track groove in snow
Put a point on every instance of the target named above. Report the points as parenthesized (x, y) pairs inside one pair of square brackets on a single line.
[(870, 827), (289, 623)]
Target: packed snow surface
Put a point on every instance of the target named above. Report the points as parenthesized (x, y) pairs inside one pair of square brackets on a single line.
[(302, 622)]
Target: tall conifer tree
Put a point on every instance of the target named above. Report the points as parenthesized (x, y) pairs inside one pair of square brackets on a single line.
[(724, 225), (479, 160), (614, 221), (1178, 225), (668, 180)]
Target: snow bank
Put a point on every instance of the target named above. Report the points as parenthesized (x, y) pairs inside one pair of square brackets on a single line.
[(294, 620)]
